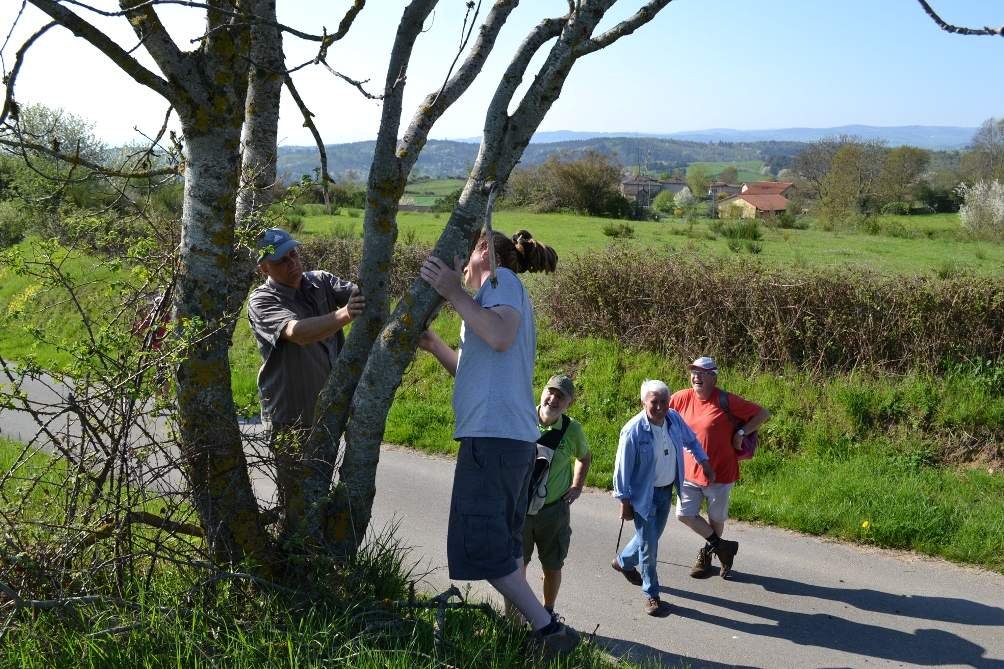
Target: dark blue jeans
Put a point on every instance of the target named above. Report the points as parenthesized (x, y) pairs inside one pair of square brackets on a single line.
[(643, 549)]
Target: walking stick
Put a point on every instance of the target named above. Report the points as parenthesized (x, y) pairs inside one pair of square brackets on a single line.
[(617, 549)]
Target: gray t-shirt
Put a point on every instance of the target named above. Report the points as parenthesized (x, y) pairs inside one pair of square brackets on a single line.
[(493, 392), (291, 376)]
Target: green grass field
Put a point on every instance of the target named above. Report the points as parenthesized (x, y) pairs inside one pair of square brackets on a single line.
[(434, 186), (905, 245), (747, 170), (428, 193)]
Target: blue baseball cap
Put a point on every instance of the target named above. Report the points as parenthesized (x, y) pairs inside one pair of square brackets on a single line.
[(274, 243)]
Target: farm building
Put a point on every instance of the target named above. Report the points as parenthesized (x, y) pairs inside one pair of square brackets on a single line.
[(782, 188), (752, 205), (642, 190), (718, 190)]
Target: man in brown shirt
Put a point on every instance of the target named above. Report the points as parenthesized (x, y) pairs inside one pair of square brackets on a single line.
[(297, 319)]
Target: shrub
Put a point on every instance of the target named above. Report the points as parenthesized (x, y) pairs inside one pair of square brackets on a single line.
[(741, 229), (341, 256), (664, 202), (982, 211), (814, 319), (14, 220), (896, 208), (787, 220), (448, 202), (618, 230)]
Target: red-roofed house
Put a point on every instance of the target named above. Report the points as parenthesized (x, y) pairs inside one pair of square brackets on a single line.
[(767, 188), (752, 205)]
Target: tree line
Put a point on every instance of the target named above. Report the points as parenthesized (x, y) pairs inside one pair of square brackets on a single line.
[(844, 178)]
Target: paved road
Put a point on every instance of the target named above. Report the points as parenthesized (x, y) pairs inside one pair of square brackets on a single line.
[(794, 601)]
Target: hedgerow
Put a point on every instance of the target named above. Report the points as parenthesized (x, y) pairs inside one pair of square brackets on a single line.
[(821, 320)]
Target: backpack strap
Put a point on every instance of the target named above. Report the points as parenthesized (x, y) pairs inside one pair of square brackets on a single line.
[(723, 402), (552, 438)]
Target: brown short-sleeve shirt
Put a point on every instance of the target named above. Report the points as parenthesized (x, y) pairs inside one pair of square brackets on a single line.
[(291, 376)]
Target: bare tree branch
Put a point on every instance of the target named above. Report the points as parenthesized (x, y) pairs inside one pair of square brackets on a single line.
[(353, 82), (958, 30), (343, 26), (75, 159), (465, 36), (346, 22), (436, 104), (545, 31), (105, 45), (9, 105), (644, 14), (308, 122)]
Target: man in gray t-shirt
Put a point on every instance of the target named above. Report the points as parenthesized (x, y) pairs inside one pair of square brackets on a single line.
[(297, 319)]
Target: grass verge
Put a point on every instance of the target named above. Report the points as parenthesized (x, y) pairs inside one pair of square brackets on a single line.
[(182, 616)]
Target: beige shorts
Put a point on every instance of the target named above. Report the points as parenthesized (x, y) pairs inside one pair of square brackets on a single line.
[(691, 496)]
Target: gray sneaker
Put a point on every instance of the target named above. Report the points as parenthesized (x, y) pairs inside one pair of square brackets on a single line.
[(558, 643)]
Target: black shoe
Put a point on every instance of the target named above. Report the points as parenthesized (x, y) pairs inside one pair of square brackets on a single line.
[(726, 552)]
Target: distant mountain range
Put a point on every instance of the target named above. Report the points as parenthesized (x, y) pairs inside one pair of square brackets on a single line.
[(936, 137), (446, 158)]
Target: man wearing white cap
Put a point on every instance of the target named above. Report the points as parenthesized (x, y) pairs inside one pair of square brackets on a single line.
[(706, 409), (297, 319)]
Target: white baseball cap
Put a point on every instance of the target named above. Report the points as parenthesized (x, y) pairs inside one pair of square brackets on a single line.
[(705, 364)]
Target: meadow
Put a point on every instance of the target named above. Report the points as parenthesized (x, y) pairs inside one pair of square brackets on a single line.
[(932, 244), (746, 170), (427, 193)]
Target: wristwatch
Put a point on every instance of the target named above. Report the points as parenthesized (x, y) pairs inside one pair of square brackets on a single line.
[(741, 432)]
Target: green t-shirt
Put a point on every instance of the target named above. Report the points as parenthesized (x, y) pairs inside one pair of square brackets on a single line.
[(573, 447)]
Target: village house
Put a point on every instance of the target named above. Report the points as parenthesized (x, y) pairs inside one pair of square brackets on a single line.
[(757, 199), (719, 190), (643, 189)]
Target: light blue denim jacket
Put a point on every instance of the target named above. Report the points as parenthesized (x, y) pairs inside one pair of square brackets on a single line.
[(634, 468)]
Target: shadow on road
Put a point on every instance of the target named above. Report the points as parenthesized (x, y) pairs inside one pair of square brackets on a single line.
[(642, 654), (924, 647), (945, 609)]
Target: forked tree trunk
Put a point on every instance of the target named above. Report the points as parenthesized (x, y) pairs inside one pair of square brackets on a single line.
[(505, 138), (212, 450)]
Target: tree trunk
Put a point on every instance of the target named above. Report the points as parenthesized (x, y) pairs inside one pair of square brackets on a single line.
[(212, 450)]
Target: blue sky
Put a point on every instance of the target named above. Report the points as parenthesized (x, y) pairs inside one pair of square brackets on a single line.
[(700, 64)]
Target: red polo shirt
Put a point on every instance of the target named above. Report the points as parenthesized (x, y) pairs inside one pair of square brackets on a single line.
[(714, 429)]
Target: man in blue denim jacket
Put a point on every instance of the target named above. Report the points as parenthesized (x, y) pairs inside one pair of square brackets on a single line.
[(649, 464)]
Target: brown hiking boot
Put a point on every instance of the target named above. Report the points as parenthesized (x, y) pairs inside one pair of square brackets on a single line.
[(702, 568), (726, 552), (632, 575), (656, 607)]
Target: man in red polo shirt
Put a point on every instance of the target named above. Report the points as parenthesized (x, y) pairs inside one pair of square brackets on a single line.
[(701, 408)]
